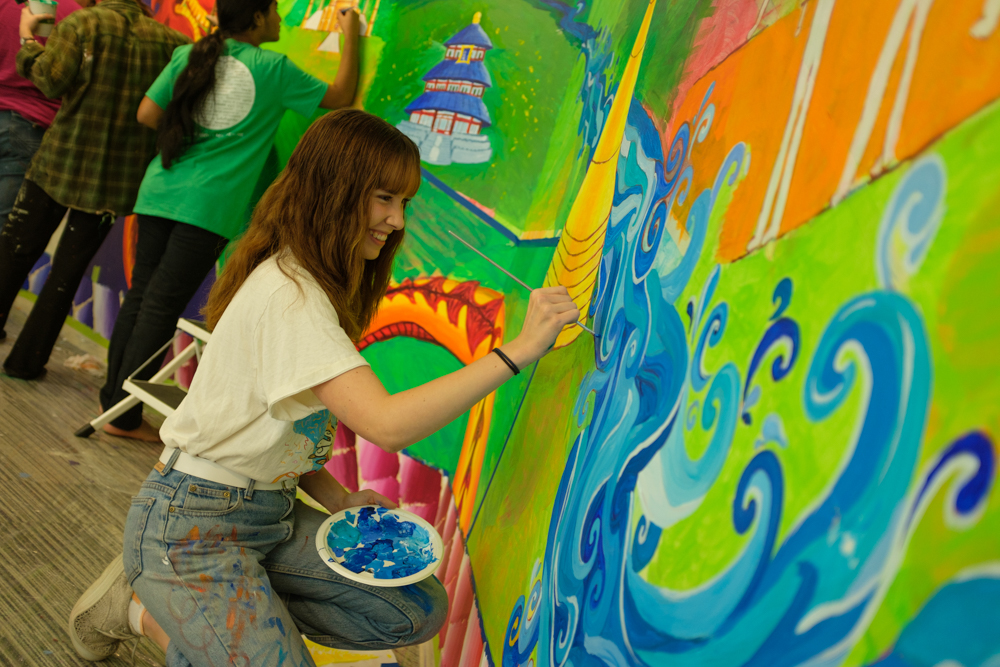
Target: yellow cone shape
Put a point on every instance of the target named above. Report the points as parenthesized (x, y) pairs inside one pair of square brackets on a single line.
[(578, 254)]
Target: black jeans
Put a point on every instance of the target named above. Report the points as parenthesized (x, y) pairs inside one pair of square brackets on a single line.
[(33, 220), (171, 261)]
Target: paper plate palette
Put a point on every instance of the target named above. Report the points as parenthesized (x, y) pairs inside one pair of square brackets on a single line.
[(379, 547)]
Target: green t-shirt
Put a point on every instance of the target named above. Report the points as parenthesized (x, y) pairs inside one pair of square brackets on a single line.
[(211, 184)]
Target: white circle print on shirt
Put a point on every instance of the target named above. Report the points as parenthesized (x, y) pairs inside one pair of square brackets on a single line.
[(231, 99)]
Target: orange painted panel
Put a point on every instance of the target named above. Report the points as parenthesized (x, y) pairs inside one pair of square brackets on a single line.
[(852, 50), (955, 74), (752, 95)]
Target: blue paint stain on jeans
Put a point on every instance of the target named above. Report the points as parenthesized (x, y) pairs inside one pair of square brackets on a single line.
[(379, 542), (275, 622)]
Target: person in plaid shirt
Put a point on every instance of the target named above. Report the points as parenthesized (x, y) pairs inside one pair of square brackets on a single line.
[(100, 61)]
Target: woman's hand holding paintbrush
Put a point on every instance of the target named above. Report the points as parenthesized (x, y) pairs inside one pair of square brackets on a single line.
[(349, 21), (549, 310), (511, 275)]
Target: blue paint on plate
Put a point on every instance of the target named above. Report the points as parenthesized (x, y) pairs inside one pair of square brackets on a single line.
[(378, 541)]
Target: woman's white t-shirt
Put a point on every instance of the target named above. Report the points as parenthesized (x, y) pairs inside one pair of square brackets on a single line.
[(251, 407)]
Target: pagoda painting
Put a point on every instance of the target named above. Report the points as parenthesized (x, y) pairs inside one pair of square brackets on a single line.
[(446, 119)]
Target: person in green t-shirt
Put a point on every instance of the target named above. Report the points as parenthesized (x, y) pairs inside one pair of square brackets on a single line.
[(216, 107)]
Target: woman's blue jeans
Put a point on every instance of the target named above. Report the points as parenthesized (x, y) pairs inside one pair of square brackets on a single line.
[(233, 577)]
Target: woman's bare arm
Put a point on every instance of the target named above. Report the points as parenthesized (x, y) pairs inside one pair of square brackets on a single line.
[(395, 421), (331, 494), (149, 113), (341, 92)]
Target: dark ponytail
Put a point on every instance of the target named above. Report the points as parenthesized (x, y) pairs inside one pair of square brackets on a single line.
[(193, 85)]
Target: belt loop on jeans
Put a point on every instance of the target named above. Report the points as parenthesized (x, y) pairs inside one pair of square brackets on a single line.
[(169, 465), (248, 494)]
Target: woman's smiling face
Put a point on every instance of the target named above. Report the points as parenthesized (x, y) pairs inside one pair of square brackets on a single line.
[(387, 216)]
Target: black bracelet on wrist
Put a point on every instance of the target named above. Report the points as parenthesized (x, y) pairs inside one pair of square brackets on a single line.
[(506, 360)]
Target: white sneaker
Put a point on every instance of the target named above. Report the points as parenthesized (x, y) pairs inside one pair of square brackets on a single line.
[(99, 620)]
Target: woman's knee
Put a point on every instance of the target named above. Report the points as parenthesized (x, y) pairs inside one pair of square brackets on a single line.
[(410, 615)]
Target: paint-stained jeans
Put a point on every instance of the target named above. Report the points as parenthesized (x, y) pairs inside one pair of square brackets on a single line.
[(35, 218), (233, 577)]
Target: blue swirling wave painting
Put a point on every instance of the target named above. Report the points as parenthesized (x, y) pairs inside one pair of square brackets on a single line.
[(804, 599), (377, 541)]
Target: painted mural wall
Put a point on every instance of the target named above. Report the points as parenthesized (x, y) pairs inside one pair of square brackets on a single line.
[(781, 217)]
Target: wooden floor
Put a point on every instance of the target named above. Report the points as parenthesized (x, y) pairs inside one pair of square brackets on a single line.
[(63, 502)]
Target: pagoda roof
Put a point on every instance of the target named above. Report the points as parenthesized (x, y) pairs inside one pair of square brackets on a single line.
[(451, 69), (471, 35), (440, 100)]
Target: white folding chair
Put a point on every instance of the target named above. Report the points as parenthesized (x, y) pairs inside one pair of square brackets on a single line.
[(163, 398)]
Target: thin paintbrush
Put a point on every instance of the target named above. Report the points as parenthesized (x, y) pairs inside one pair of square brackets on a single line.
[(511, 275)]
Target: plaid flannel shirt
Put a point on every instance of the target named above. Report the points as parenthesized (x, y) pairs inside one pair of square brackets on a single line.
[(100, 61)]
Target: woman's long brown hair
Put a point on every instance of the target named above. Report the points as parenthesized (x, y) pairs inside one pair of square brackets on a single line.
[(319, 209)]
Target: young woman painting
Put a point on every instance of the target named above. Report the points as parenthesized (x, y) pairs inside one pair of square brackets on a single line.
[(220, 555), (216, 107)]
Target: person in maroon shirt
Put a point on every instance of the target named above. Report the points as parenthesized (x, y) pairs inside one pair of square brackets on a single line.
[(25, 112)]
